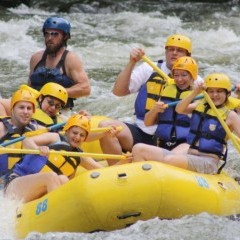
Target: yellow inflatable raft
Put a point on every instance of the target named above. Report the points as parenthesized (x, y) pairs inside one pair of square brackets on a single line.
[(115, 197), (94, 146)]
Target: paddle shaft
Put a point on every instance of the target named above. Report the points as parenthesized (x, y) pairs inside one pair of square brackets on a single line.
[(51, 128), (156, 68), (33, 133), (176, 102), (64, 153), (196, 98)]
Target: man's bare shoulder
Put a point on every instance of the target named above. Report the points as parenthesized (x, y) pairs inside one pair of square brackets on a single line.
[(38, 54), (72, 59), (35, 58), (72, 55)]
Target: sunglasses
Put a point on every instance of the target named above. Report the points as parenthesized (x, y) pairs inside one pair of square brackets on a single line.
[(52, 34), (51, 103)]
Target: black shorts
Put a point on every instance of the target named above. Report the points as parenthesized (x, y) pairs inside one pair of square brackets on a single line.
[(140, 136)]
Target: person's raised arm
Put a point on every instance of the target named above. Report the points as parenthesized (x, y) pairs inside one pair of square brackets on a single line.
[(185, 106), (40, 140), (89, 163), (121, 85), (5, 107), (233, 122)]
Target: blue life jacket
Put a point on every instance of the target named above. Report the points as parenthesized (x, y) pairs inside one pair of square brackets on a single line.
[(149, 93), (206, 132), (172, 126), (42, 75)]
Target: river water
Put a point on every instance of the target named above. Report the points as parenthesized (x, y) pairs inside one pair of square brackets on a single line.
[(103, 37)]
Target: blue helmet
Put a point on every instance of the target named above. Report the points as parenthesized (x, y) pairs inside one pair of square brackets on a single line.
[(57, 23)]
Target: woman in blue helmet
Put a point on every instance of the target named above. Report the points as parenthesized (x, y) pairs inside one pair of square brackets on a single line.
[(57, 64)]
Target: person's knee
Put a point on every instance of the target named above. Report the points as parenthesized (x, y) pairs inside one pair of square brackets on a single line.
[(51, 177), (52, 181), (137, 147), (139, 150), (168, 159), (63, 179)]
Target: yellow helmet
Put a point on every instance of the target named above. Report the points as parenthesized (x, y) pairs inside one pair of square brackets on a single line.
[(79, 121), (218, 80), (188, 64), (24, 96), (55, 90), (181, 41), (30, 89)]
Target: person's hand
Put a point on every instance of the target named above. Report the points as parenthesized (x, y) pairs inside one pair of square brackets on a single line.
[(136, 54), (129, 157), (44, 150), (159, 107), (198, 80), (85, 113), (199, 86), (113, 131)]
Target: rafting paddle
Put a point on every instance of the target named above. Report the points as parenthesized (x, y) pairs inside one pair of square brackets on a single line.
[(171, 104), (49, 129), (64, 153), (33, 133), (157, 69)]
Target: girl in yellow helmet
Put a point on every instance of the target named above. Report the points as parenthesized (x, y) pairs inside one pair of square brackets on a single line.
[(172, 128), (207, 137), (37, 175)]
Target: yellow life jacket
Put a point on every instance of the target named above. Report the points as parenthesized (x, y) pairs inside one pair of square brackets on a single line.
[(149, 94), (44, 120), (172, 93), (154, 87), (233, 103), (13, 133), (223, 111), (61, 164)]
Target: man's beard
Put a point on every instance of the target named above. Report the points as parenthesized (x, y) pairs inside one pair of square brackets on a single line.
[(53, 49)]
